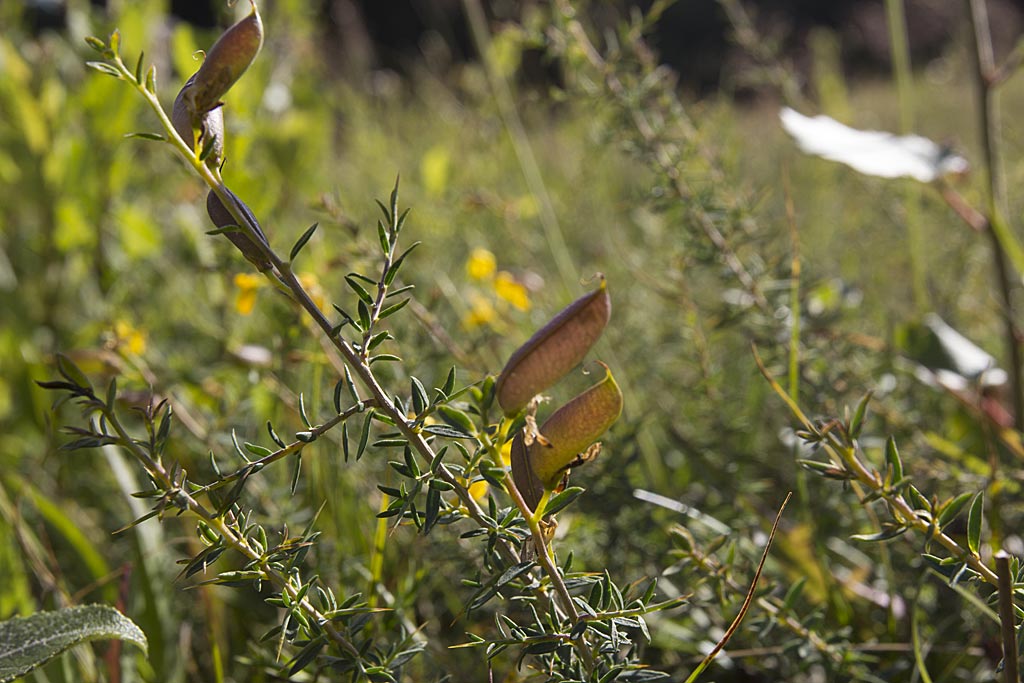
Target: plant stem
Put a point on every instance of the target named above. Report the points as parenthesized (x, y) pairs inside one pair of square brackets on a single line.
[(989, 128), (1007, 618)]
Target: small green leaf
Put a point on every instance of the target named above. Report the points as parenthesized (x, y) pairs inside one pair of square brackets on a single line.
[(257, 450), (393, 271), (562, 500), (95, 43), (447, 432), (296, 471), (302, 411), (147, 136), (364, 436), (890, 531), (71, 372), (857, 422), (394, 308), (307, 654), (950, 510), (382, 232), (449, 383), (974, 518), (419, 396), (892, 458), (456, 418), (301, 242), (112, 393), (29, 642), (138, 67), (337, 395), (104, 68)]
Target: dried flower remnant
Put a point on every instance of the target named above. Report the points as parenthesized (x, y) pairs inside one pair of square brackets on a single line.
[(209, 125), (564, 439)]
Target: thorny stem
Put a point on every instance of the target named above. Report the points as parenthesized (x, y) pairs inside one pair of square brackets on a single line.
[(287, 278), (901, 510), (218, 523), (291, 448)]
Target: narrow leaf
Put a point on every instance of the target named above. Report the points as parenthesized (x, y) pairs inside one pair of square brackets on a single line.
[(974, 522), (301, 242)]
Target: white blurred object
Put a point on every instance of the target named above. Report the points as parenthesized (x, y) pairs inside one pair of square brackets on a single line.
[(872, 152), (968, 360)]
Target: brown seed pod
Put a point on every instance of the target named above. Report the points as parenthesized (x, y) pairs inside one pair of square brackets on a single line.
[(222, 218), (210, 125), (225, 63), (522, 473), (553, 350), (565, 435)]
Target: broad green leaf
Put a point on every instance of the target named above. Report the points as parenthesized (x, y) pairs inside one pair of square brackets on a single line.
[(29, 642)]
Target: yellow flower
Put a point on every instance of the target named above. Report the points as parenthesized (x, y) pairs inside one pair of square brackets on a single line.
[(481, 312), (478, 489), (481, 264), (312, 286), (506, 287), (129, 338), (247, 285)]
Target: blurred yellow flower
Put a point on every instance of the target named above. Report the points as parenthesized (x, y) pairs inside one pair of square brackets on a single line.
[(481, 264), (481, 312), (434, 167), (247, 285), (129, 338), (506, 287), (312, 286), (478, 489)]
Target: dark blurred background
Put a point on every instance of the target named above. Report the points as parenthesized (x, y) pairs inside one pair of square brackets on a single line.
[(693, 36)]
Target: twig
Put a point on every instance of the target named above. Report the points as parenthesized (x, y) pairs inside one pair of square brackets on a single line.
[(746, 601)]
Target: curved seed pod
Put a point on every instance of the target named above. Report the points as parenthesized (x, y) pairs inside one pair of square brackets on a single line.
[(567, 433), (226, 61), (553, 350), (210, 125), (222, 218)]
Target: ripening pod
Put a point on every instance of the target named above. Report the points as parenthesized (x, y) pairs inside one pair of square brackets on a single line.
[(225, 63), (565, 435), (553, 350), (210, 125), (222, 218)]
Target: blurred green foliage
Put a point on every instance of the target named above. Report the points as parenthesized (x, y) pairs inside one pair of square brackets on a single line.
[(103, 256)]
